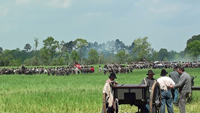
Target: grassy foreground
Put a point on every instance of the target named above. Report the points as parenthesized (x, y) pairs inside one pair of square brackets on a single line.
[(74, 93)]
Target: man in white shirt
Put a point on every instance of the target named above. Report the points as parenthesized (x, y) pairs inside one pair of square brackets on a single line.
[(100, 69), (165, 83)]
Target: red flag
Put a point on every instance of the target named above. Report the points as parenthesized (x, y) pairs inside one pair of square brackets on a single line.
[(77, 65)]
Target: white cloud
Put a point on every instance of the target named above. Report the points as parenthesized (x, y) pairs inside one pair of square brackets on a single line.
[(164, 9), (3, 11), (94, 14), (195, 10), (139, 3), (59, 3), (156, 1), (23, 1), (7, 27), (147, 2), (172, 8)]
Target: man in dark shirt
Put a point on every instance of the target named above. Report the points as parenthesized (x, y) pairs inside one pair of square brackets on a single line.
[(149, 80), (23, 69), (175, 77)]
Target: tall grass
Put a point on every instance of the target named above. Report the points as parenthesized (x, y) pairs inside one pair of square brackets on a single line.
[(80, 93)]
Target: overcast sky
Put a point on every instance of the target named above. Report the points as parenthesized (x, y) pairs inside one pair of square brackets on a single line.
[(167, 23)]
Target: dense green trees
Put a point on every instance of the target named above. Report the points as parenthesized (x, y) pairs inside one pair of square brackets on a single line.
[(194, 48), (1, 50), (93, 56), (69, 46), (44, 56), (54, 52), (195, 37), (79, 44), (50, 46), (27, 47), (1, 56), (75, 56), (154, 54), (141, 48), (121, 56), (162, 54)]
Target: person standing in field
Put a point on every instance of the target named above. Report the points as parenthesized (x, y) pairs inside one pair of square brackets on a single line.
[(108, 94), (23, 69), (166, 95), (185, 88), (175, 77), (105, 68), (100, 69), (149, 81)]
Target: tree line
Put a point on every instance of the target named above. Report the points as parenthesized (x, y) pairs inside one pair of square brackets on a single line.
[(80, 50)]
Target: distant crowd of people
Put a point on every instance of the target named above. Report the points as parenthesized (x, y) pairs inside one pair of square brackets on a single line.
[(23, 70), (120, 68), (61, 71), (106, 69), (116, 68), (164, 64), (57, 71)]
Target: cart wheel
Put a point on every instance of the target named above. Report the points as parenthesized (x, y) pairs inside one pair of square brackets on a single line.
[(155, 98), (104, 104), (116, 106)]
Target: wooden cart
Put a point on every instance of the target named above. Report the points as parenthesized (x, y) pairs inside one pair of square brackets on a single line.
[(138, 95)]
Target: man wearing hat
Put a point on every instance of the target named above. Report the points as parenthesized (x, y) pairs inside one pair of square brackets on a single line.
[(166, 95), (149, 81), (108, 94), (185, 88)]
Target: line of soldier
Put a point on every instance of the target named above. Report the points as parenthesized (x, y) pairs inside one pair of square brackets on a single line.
[(58, 71), (116, 68), (119, 68), (163, 64), (25, 71), (61, 71)]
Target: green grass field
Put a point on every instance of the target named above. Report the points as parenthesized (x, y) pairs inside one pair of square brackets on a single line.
[(80, 93)]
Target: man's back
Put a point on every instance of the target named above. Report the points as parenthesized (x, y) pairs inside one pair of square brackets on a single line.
[(184, 83), (188, 86), (165, 82), (174, 76)]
